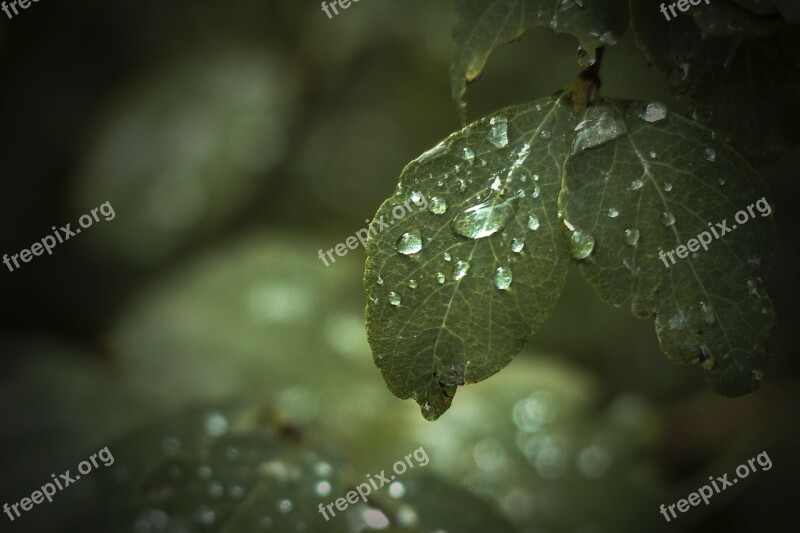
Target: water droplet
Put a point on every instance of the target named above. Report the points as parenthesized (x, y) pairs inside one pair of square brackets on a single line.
[(536, 177), (236, 492), (582, 244), (600, 125), (206, 515), (498, 133), (397, 489), (635, 185), (460, 270), (721, 181), (654, 112), (461, 185), (585, 58), (468, 154), (412, 283), (416, 198), (438, 205), (285, 506), (394, 298), (631, 236), (711, 154), (215, 489), (485, 219), (533, 222), (667, 218), (496, 183), (379, 281), (667, 186), (205, 472), (502, 278), (707, 312), (653, 154), (322, 488), (517, 244), (544, 135), (409, 243), (446, 256), (612, 212), (440, 277), (536, 192)]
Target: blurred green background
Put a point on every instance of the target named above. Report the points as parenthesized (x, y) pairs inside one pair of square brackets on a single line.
[(236, 140)]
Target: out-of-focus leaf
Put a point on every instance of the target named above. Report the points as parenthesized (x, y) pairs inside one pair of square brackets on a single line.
[(663, 183), (788, 9), (723, 18), (745, 87), (483, 25), (461, 282)]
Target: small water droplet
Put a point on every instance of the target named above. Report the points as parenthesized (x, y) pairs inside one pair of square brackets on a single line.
[(536, 192), (721, 181), (498, 133), (582, 244), (758, 375), (533, 222), (635, 185), (707, 312), (536, 177), (461, 185), (517, 244), (612, 212), (416, 198), (379, 281), (460, 270), (711, 154), (468, 154), (667, 218), (654, 112), (440, 277), (412, 283), (631, 236), (322, 488), (438, 205), (394, 298), (216, 424), (285, 506), (236, 492), (446, 256), (502, 278), (544, 135), (409, 243), (496, 183), (653, 154), (397, 489)]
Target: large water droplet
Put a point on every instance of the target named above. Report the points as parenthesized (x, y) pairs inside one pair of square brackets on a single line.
[(631, 236), (635, 185), (533, 222), (394, 298), (460, 270), (498, 133), (409, 243), (582, 243), (654, 112), (667, 218), (711, 154), (600, 125), (438, 205), (468, 154), (485, 219), (502, 278), (707, 312), (517, 244)]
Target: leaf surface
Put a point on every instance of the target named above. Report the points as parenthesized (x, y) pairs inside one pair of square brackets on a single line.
[(461, 282), (653, 189)]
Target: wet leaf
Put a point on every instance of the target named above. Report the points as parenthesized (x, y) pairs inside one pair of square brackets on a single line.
[(664, 181), (744, 86), (483, 25), (476, 300)]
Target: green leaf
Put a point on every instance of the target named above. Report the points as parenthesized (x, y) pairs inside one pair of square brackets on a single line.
[(458, 305), (746, 87), (483, 25), (653, 189)]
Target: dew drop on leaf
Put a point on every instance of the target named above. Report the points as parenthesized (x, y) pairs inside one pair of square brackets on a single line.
[(413, 284), (409, 243), (654, 112), (416, 198), (379, 281), (667, 186), (468, 154), (711, 154), (446, 256), (498, 133), (460, 270), (582, 244), (438, 205), (502, 278), (440, 277), (635, 185), (612, 212), (600, 125), (517, 244), (533, 222), (653, 154), (631, 236), (484, 219), (394, 298), (667, 218)]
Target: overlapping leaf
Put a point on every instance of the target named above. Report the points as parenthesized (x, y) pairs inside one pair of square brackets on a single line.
[(745, 86), (483, 25), (662, 182), (460, 283)]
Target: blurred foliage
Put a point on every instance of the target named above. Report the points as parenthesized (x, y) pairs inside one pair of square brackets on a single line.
[(235, 142)]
